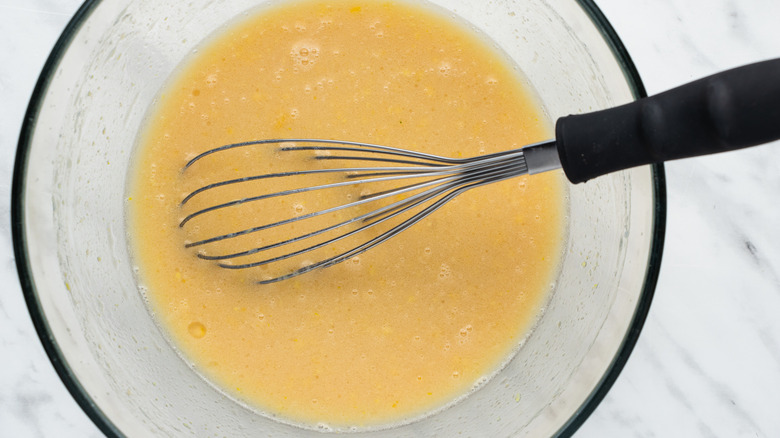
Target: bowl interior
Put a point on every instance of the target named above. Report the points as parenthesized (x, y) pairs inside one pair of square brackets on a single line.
[(75, 266)]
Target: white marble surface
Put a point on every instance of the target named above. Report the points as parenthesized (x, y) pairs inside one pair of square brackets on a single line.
[(708, 361)]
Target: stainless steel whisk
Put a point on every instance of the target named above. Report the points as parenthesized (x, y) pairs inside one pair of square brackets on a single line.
[(446, 178), (727, 111)]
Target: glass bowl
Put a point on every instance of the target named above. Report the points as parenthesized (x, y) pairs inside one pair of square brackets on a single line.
[(72, 255)]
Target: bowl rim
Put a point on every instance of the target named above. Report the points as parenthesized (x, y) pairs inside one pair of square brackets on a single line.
[(101, 420), (658, 233)]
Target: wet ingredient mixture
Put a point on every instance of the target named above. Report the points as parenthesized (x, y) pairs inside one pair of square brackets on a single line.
[(396, 332)]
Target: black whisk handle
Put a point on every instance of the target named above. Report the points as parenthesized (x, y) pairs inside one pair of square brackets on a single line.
[(731, 110)]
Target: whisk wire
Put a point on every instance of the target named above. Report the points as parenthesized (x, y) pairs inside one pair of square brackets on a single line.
[(364, 147), (384, 236), (393, 175), (398, 205), (445, 179), (297, 218), (455, 172)]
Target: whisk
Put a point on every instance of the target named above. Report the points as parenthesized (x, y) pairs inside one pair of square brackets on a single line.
[(727, 111)]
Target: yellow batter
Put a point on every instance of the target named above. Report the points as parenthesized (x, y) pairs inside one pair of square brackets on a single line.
[(404, 328)]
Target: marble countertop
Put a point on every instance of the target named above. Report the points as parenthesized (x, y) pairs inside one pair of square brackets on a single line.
[(708, 360)]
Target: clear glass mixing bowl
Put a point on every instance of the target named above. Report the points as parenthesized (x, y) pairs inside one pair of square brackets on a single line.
[(73, 262)]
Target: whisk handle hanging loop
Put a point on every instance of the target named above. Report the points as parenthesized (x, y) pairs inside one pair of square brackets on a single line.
[(731, 110)]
